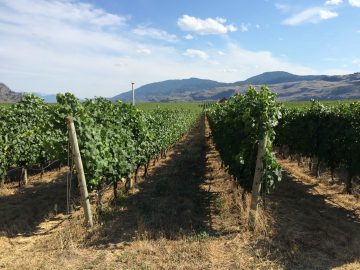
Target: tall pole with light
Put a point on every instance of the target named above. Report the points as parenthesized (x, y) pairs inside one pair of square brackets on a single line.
[(132, 88)]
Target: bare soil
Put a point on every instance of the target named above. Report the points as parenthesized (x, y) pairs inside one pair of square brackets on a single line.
[(187, 214)]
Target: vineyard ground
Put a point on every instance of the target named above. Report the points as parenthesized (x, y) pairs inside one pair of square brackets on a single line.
[(187, 214)]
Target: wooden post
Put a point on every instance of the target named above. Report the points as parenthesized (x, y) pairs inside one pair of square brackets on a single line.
[(2, 180), (24, 173), (137, 173), (129, 184), (132, 181), (80, 171), (257, 183)]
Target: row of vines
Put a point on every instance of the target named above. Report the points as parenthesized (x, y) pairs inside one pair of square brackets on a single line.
[(329, 135), (238, 125), (115, 138)]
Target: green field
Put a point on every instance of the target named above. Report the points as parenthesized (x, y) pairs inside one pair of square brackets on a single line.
[(300, 104), (148, 106), (5, 104)]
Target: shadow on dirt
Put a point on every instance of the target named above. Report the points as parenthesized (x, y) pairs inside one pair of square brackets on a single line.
[(22, 212), (170, 202), (309, 232)]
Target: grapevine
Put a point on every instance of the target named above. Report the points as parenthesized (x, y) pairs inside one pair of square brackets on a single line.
[(114, 138), (237, 127)]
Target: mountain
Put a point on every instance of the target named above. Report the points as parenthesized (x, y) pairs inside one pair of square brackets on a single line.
[(288, 87), (279, 77), (170, 90), (6, 95), (328, 88)]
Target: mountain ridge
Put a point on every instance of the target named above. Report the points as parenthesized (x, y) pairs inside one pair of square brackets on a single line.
[(169, 87), (287, 85), (274, 77)]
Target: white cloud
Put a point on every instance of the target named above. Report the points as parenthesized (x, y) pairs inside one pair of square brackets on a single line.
[(257, 26), (244, 28), (155, 34), (92, 59), (196, 54), (311, 15), (66, 10), (327, 14), (188, 37), (333, 2), (354, 3), (43, 49), (208, 26), (231, 28)]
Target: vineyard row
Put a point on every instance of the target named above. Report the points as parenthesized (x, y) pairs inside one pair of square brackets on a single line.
[(115, 139)]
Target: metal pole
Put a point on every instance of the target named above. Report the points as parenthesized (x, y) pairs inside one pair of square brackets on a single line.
[(133, 92), (80, 171)]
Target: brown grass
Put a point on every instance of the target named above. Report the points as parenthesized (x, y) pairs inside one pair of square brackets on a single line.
[(315, 223), (187, 214)]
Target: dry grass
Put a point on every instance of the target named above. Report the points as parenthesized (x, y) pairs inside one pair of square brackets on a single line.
[(187, 214), (315, 223), (334, 191)]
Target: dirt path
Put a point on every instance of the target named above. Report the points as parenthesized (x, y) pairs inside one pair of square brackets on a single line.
[(187, 214)]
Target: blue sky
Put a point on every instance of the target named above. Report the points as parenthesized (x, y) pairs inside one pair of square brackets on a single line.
[(96, 48)]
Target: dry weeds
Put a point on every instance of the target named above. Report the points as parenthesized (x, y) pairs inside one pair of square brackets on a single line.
[(187, 214)]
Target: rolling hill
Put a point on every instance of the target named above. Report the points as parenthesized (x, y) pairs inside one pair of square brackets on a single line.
[(288, 86), (170, 90), (279, 77)]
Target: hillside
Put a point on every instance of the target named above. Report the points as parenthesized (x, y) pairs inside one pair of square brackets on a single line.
[(279, 77), (6, 95), (289, 87), (170, 90), (308, 87)]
